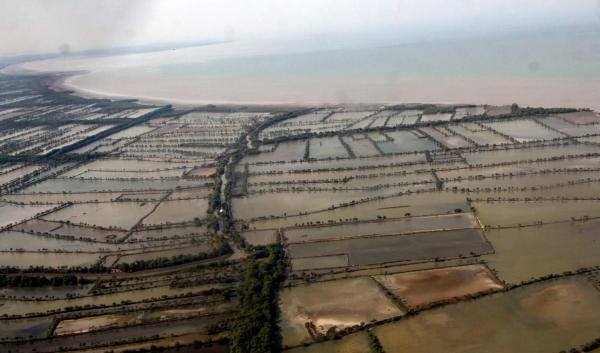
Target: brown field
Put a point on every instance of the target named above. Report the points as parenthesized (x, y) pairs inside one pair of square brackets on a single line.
[(332, 305), (424, 287)]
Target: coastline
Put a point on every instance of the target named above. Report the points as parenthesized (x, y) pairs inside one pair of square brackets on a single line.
[(538, 92), (535, 92), (62, 83)]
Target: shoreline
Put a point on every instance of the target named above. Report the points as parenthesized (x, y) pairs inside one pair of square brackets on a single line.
[(517, 85), (62, 81)]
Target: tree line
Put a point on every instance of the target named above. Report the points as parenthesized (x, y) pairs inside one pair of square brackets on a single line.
[(255, 328)]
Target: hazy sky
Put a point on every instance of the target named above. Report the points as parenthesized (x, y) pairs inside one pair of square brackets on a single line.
[(30, 26)]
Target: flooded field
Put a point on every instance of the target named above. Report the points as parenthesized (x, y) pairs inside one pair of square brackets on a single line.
[(531, 252), (282, 204), (339, 163), (530, 181), (171, 232), (10, 240), (24, 328), (62, 197), (319, 262), (16, 307), (416, 204), (361, 146), (260, 237), (191, 249), (446, 137), (327, 147), (103, 322), (311, 310), (12, 214), (420, 246), (506, 213), (288, 151), (13, 174), (525, 154), (355, 343), (406, 141), (424, 287), (436, 117), (423, 227), (542, 317), (524, 130), (478, 135), (401, 226), (89, 185), (26, 260), (177, 212), (123, 215), (581, 118), (519, 168)]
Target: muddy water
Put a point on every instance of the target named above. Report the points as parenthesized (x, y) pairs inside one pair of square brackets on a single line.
[(507, 213), (544, 317), (427, 203), (15, 307), (423, 287), (355, 343), (400, 226), (336, 304), (524, 130), (122, 215), (411, 247), (531, 252)]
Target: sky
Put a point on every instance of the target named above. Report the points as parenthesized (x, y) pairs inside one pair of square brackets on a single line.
[(49, 26)]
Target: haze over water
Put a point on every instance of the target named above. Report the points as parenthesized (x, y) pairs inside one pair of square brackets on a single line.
[(532, 67)]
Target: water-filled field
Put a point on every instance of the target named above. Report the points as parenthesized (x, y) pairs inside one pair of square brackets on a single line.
[(177, 212), (338, 163), (12, 214), (581, 118), (354, 343), (25, 328), (315, 308), (286, 151), (16, 307), (327, 147), (411, 247), (506, 213), (479, 135), (447, 138), (362, 147), (436, 117), (543, 317), (260, 237), (167, 232), (62, 198), (424, 287), (433, 227), (415, 204), (530, 181), (527, 154), (87, 185), (27, 259), (406, 141), (400, 226), (103, 322), (532, 252), (123, 215), (290, 203), (189, 249), (524, 130)]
